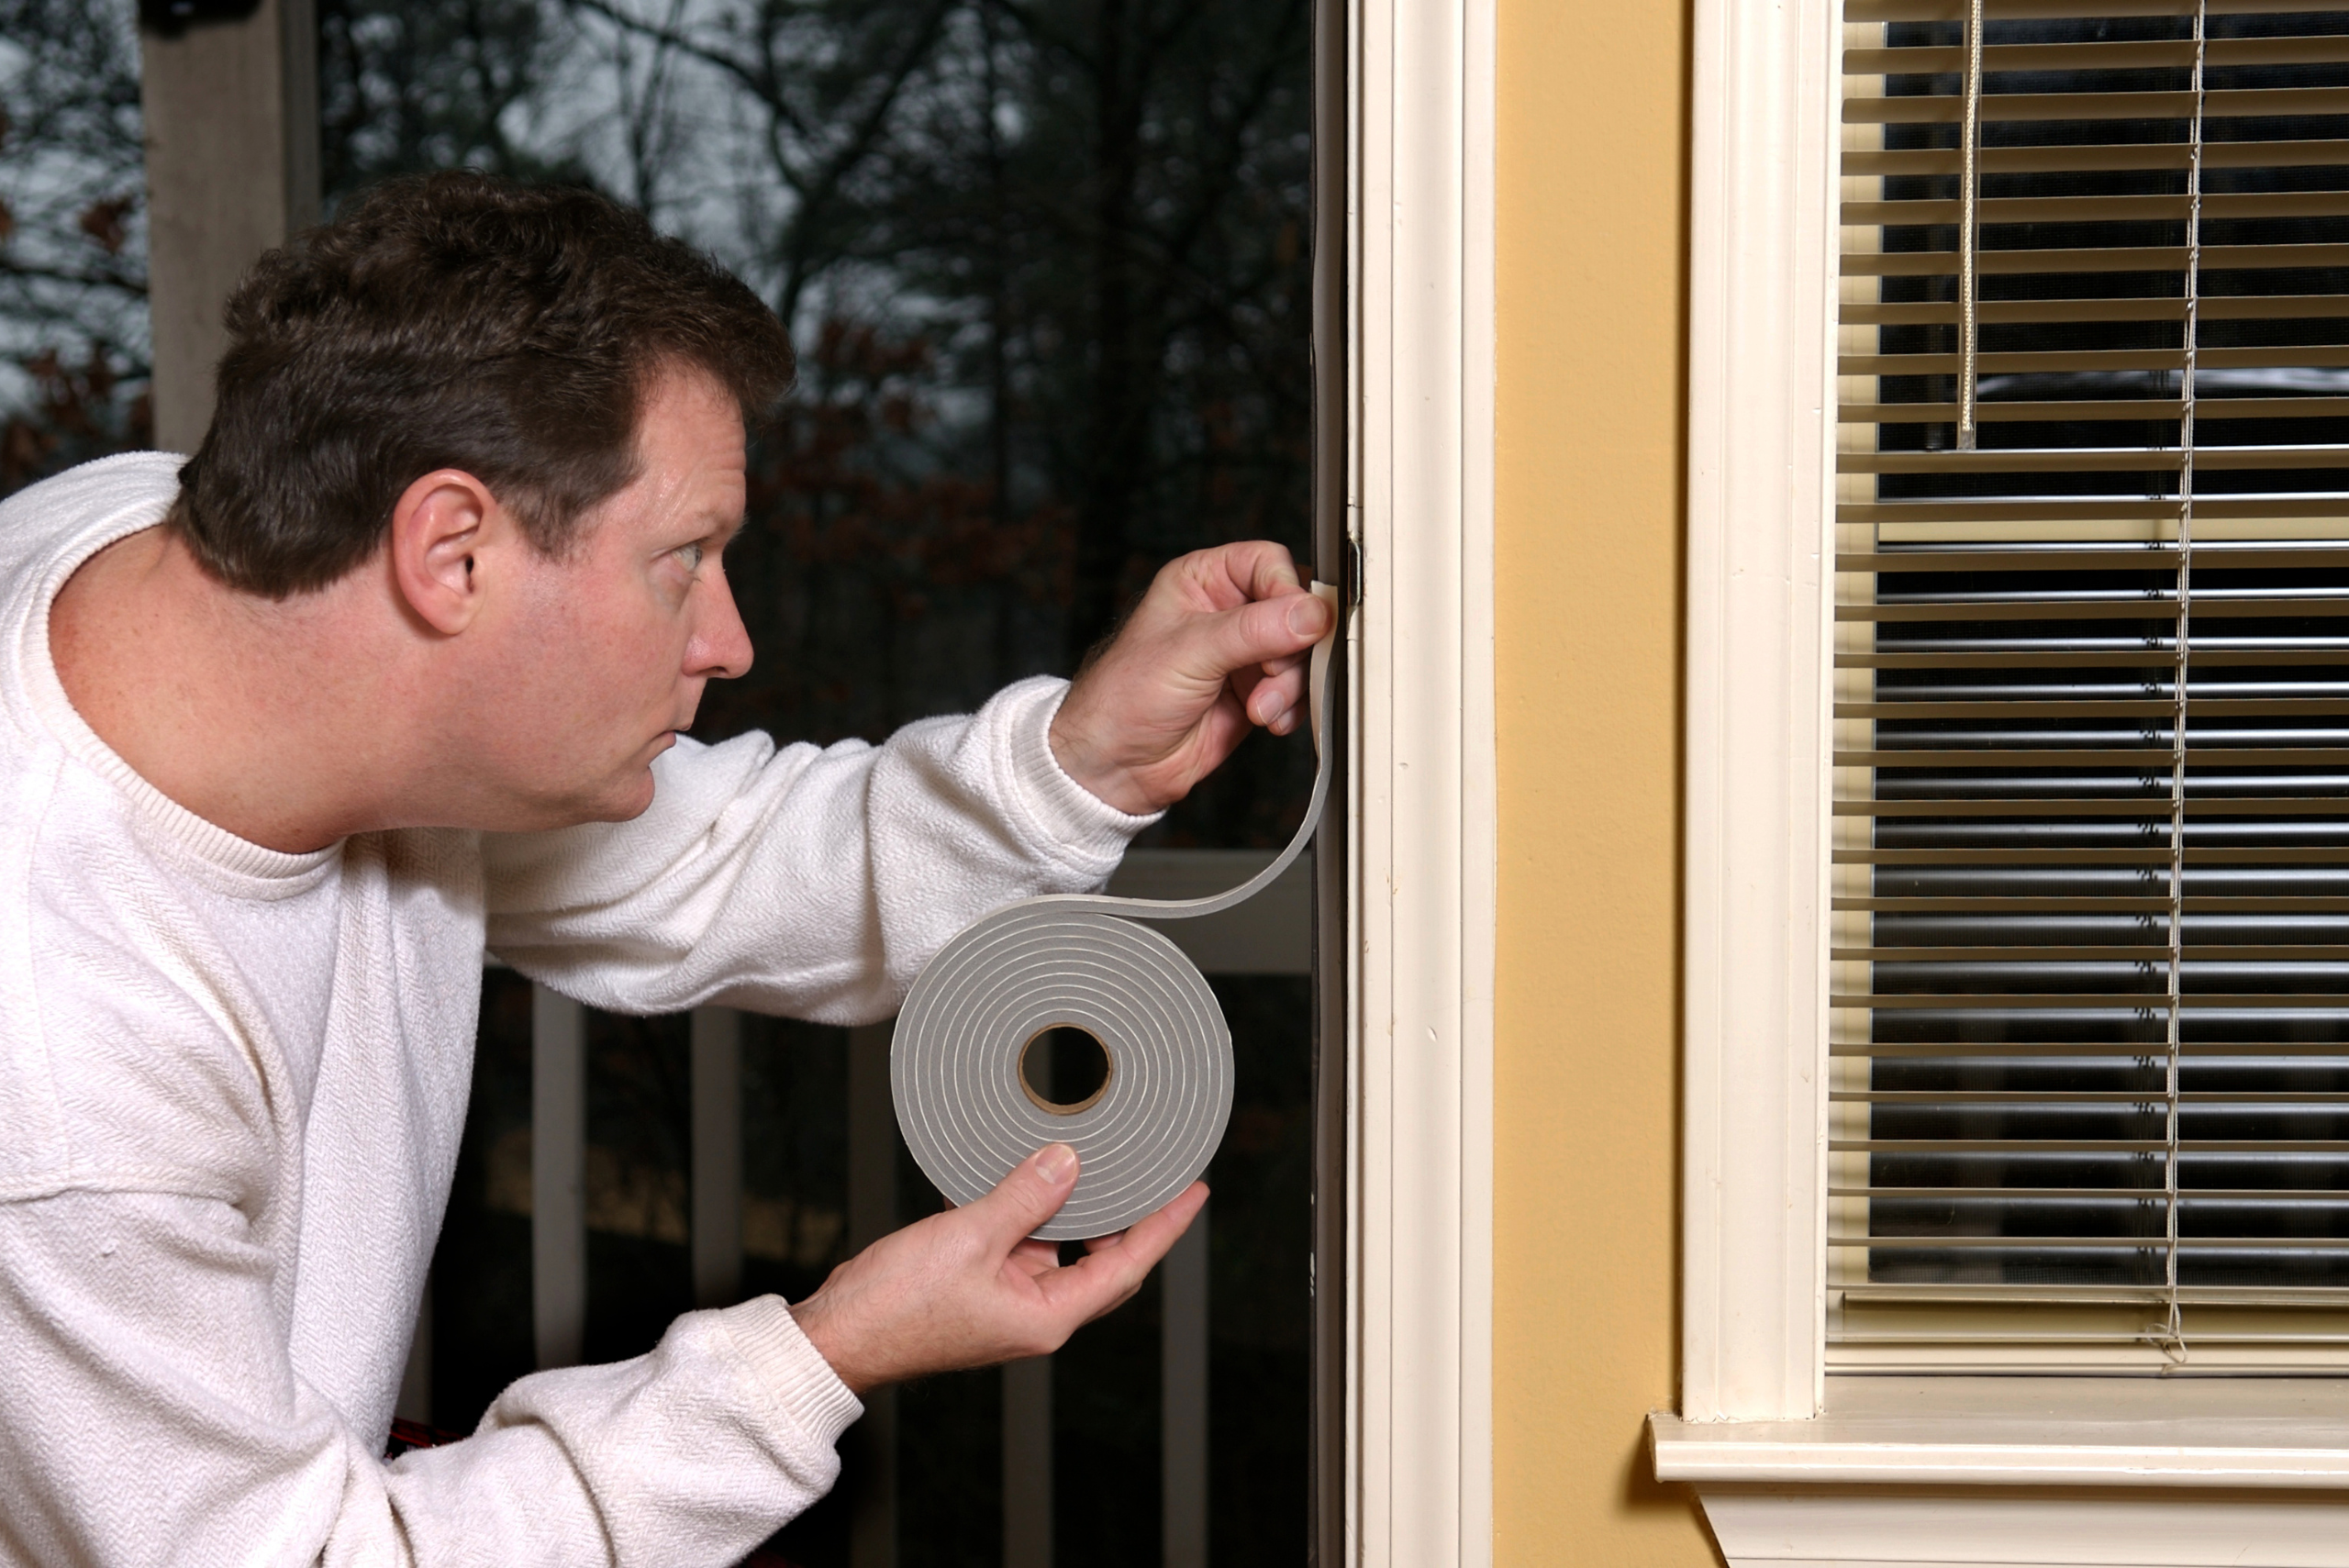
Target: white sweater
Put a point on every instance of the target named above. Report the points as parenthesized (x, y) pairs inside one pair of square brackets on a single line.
[(232, 1082)]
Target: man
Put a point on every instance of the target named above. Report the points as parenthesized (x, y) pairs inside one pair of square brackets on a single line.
[(394, 669)]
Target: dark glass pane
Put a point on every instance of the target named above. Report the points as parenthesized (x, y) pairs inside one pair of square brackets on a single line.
[(481, 1335), (1047, 268)]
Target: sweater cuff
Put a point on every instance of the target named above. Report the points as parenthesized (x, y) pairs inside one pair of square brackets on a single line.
[(792, 1370), (1078, 826)]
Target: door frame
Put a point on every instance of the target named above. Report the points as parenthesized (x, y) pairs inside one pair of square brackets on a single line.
[(1422, 856)]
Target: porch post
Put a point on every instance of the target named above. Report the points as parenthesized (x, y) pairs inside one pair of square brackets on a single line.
[(231, 112)]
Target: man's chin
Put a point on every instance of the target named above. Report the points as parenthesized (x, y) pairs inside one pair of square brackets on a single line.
[(630, 803), (622, 801)]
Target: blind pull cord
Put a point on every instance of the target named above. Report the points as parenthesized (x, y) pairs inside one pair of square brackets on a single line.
[(2173, 1338), (1969, 180)]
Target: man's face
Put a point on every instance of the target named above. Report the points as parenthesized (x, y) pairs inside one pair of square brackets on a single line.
[(610, 645)]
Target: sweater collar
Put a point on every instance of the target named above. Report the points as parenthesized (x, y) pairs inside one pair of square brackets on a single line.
[(141, 504)]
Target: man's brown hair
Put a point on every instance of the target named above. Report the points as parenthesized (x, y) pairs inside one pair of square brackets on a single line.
[(452, 320)]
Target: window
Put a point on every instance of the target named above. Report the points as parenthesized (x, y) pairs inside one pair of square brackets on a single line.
[(1929, 668), (2089, 1074)]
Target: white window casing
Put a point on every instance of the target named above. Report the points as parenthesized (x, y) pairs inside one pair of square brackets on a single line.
[(1760, 444)]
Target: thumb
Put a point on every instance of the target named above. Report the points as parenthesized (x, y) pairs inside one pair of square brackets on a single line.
[(1029, 1195), (1263, 630)]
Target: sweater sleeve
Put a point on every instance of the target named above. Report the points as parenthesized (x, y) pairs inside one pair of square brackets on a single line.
[(154, 1416), (815, 882)]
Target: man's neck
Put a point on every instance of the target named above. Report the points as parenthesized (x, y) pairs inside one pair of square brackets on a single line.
[(251, 713)]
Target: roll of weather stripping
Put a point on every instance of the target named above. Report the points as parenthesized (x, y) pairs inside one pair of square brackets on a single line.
[(1081, 961)]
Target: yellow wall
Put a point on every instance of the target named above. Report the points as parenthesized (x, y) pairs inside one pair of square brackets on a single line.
[(1592, 283)]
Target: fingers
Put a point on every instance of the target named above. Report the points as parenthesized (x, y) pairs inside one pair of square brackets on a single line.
[(1032, 1257), (970, 1288), (1023, 1200), (1152, 1238), (1213, 650), (1236, 573), (1269, 568), (1274, 699), (1257, 634), (1114, 1266)]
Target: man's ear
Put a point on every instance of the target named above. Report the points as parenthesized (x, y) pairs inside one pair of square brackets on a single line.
[(438, 526)]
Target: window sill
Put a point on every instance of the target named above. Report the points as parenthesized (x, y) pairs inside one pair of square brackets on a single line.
[(2031, 1431), (2043, 1471)]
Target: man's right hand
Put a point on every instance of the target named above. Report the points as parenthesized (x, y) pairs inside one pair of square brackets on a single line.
[(967, 1288)]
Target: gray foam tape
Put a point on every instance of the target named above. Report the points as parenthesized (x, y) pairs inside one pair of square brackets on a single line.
[(1006, 980), (1081, 961)]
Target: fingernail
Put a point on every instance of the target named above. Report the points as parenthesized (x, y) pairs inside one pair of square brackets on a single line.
[(1306, 617), (1271, 707), (1057, 1163)]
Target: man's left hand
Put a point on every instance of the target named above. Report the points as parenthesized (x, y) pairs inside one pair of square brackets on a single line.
[(1216, 645)]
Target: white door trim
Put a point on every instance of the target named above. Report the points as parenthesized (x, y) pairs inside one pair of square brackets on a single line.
[(1423, 474)]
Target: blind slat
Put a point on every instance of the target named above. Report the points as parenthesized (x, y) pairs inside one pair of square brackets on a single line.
[(2061, 904), (2336, 953), (1994, 261), (2093, 363), (2096, 105), (1964, 654), (2027, 857), (2033, 1050), (2100, 509), (2054, 1001), (2001, 312), (2093, 459), (1924, 211), (2105, 158), (2007, 1195), (2047, 1097), (2042, 558), (2297, 49), (2012, 10), (2095, 1243), (2329, 807)]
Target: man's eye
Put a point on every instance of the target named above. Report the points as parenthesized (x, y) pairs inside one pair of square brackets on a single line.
[(691, 555)]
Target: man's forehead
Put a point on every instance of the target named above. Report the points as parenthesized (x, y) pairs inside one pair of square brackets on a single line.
[(679, 387), (692, 428)]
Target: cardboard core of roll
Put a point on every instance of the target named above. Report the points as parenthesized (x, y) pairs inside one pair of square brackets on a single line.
[(1063, 1107)]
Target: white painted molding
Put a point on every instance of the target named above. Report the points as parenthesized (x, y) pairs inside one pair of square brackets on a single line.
[(2033, 1472), (1760, 508), (1767, 1529), (2200, 1432), (1421, 1465)]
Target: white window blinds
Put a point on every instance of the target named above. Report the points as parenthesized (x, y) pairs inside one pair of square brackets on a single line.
[(2090, 1050)]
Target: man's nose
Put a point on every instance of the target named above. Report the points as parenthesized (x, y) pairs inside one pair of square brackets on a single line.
[(720, 648)]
